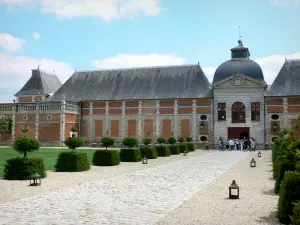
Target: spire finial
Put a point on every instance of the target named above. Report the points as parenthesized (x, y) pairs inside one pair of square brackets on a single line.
[(38, 67), (198, 63), (240, 37)]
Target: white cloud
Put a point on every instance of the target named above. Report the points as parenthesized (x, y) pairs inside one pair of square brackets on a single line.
[(105, 9), (10, 43), (36, 36), (285, 3)]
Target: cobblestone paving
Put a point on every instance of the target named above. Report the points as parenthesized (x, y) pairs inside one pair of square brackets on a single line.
[(142, 197)]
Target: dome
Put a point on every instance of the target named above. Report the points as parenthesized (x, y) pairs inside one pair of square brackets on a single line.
[(247, 67)]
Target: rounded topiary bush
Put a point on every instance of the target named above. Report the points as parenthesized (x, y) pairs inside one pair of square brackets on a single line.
[(181, 139), (281, 168), (172, 140), (161, 140), (288, 195), (129, 142), (147, 141), (21, 168), (174, 149), (107, 142), (189, 139), (130, 155), (182, 148), (163, 151), (72, 162), (73, 142), (190, 147), (148, 152), (106, 158), (296, 214), (24, 145)]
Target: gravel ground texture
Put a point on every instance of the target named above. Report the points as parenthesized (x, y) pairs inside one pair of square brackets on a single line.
[(211, 206)]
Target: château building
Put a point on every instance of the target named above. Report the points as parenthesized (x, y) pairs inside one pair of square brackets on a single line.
[(159, 102)]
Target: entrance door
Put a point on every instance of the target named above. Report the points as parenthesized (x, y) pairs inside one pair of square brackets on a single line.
[(238, 132)]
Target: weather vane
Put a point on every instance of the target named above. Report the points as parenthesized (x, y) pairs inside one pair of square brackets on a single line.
[(240, 37)]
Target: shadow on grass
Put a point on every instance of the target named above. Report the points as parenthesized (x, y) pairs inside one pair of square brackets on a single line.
[(269, 192), (271, 219)]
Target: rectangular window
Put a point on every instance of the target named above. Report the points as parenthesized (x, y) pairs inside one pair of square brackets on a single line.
[(255, 111), (222, 111)]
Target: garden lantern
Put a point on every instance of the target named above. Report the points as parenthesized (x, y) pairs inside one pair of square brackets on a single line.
[(259, 154), (253, 163), (185, 153), (145, 160), (35, 179), (202, 125), (234, 191)]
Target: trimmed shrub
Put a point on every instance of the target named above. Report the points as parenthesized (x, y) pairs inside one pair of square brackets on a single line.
[(172, 140), (190, 147), (163, 151), (296, 215), (24, 145), (21, 168), (281, 168), (182, 148), (174, 149), (106, 158), (107, 142), (147, 141), (130, 155), (189, 139), (161, 140), (148, 152), (181, 139), (129, 142), (73, 142), (72, 162), (289, 194)]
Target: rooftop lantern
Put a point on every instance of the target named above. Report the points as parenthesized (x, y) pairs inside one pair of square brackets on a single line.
[(252, 163), (234, 191), (145, 160), (185, 153), (35, 179), (259, 154)]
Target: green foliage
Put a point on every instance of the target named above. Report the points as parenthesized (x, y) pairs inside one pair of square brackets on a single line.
[(24, 129), (182, 148), (24, 145), (21, 168), (161, 140), (129, 142), (74, 129), (172, 140), (107, 142), (147, 141), (190, 147), (130, 155), (174, 149), (189, 139), (296, 214), (106, 158), (289, 194), (72, 162), (149, 152), (281, 168), (163, 151), (181, 139), (6, 125), (73, 142), (297, 125)]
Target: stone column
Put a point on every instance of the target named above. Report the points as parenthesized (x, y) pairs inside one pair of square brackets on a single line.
[(123, 120), (62, 122), (194, 122), (14, 111), (175, 119), (90, 122), (106, 120), (140, 118), (157, 119), (285, 112), (37, 121)]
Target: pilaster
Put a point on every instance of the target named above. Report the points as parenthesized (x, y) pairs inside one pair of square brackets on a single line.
[(123, 120), (140, 118), (90, 121), (13, 123), (194, 122), (175, 119), (285, 112), (37, 122), (157, 118), (62, 121)]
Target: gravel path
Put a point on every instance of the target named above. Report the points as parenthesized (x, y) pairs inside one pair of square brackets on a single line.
[(211, 206), (142, 197)]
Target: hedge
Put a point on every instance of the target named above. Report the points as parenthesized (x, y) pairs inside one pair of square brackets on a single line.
[(183, 148), (296, 214), (21, 168), (174, 149), (148, 152), (288, 195), (163, 151), (280, 169), (72, 162), (190, 147), (106, 158), (130, 155)]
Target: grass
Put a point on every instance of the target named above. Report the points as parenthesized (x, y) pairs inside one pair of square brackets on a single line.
[(49, 155)]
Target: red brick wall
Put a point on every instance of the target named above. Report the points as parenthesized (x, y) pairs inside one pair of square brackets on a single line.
[(98, 128), (148, 128), (115, 128), (25, 99), (185, 128), (132, 128), (30, 133), (49, 132), (166, 128)]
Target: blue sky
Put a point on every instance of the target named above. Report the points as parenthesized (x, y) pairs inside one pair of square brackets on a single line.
[(64, 35)]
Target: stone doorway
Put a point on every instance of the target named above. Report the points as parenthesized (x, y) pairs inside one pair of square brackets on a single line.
[(238, 132)]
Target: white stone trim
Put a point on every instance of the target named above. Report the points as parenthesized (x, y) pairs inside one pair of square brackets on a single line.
[(62, 121), (37, 122)]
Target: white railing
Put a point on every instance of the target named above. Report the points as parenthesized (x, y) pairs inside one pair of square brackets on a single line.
[(6, 107)]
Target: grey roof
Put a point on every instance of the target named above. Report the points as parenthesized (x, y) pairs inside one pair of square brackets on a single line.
[(40, 83), (287, 82), (246, 67), (184, 81)]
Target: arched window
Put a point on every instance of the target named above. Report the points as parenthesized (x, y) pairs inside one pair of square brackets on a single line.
[(238, 112)]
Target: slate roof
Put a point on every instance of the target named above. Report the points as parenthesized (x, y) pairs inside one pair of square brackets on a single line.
[(184, 81), (287, 82), (40, 83)]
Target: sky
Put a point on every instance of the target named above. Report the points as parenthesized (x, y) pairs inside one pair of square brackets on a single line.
[(61, 36)]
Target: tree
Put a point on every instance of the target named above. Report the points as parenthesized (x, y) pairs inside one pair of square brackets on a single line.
[(107, 142), (297, 125), (24, 145), (147, 141), (6, 125), (74, 130), (172, 140), (73, 143), (161, 140), (129, 142), (24, 129)]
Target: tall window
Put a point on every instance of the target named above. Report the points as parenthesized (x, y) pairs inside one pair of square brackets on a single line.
[(221, 111), (255, 111), (238, 112)]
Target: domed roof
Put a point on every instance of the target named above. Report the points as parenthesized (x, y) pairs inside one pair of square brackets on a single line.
[(245, 67)]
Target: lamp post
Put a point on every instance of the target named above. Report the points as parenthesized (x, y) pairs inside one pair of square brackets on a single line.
[(252, 163), (259, 154), (35, 179), (145, 160), (234, 191)]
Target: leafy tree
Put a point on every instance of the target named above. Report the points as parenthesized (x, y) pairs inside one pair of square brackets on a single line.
[(107, 142), (129, 142), (181, 139), (24, 145), (147, 141), (74, 130), (24, 130), (297, 125), (172, 140), (189, 139), (161, 140), (73, 143), (6, 125)]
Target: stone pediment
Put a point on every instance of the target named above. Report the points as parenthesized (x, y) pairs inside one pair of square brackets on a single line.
[(239, 81)]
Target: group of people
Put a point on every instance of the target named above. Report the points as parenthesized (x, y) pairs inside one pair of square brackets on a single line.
[(244, 144)]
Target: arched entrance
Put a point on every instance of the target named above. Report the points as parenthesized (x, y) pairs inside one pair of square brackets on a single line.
[(238, 112)]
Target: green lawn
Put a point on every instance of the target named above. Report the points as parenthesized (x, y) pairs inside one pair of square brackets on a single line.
[(49, 155)]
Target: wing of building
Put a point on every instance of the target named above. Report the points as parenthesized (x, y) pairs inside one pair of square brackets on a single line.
[(160, 102)]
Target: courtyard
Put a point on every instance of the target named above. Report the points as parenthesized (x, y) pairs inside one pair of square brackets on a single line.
[(190, 189)]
